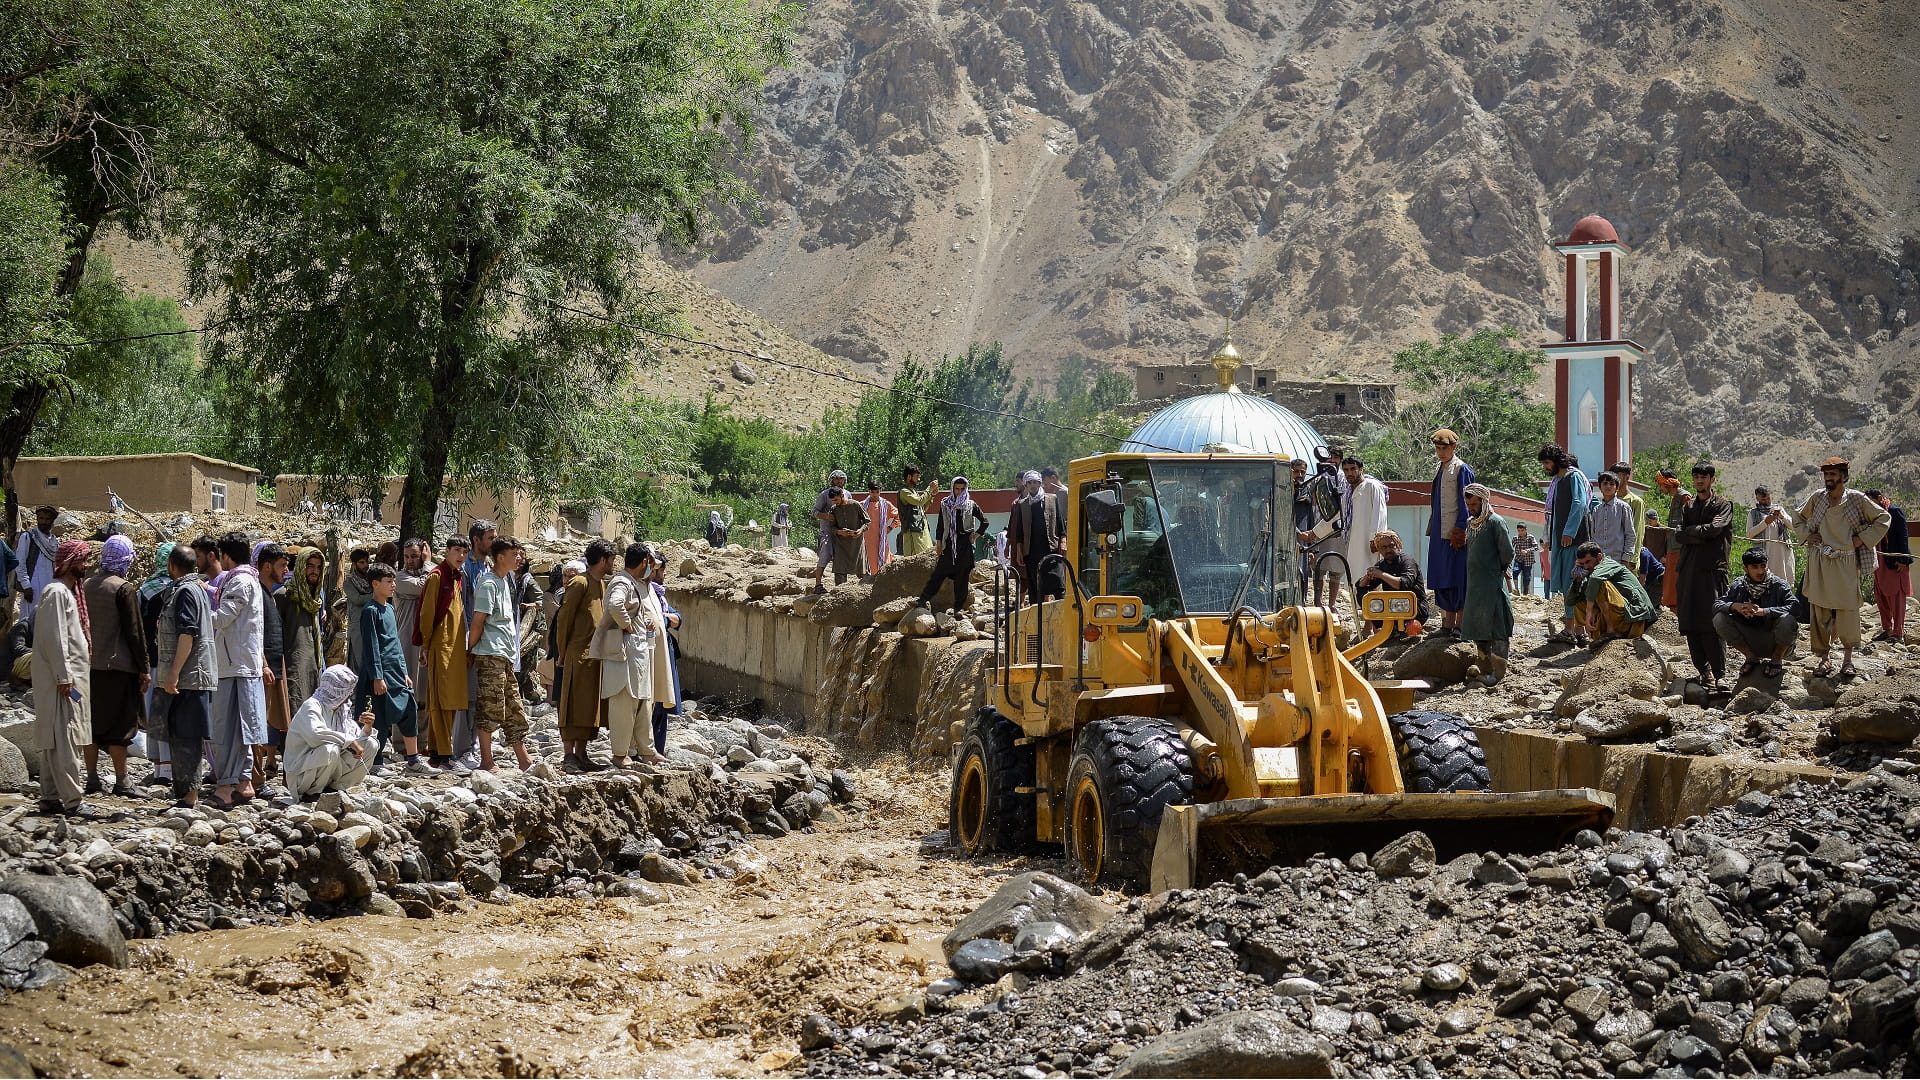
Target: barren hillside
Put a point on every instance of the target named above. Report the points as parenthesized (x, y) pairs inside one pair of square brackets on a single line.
[(1109, 177)]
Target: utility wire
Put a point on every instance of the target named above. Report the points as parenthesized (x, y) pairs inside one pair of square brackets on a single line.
[(668, 335), (209, 328), (868, 383)]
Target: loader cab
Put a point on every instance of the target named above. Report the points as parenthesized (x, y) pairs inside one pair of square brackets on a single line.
[(1186, 532)]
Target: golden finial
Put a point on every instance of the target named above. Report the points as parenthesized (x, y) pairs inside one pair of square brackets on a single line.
[(1226, 362)]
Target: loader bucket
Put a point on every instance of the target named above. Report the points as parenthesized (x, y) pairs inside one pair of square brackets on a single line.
[(1214, 841)]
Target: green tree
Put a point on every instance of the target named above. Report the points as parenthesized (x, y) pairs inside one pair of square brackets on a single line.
[(147, 395), (1477, 386), (947, 418), (33, 259), (98, 123), (412, 212)]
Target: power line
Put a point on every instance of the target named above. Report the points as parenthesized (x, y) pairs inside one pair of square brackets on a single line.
[(668, 335), (868, 383), (208, 328)]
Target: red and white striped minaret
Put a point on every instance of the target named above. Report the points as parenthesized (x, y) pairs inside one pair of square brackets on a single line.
[(1593, 367)]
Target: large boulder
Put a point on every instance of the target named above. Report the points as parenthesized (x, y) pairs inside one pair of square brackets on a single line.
[(14, 773), (1252, 1043), (1885, 710), (73, 919), (1438, 659), (1619, 669), (1032, 897), (18, 733), (904, 576), (849, 605)]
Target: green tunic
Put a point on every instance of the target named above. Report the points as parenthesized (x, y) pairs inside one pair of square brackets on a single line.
[(1639, 606), (915, 504), (1488, 615)]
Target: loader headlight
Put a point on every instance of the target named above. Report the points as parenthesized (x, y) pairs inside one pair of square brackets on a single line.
[(1115, 611)]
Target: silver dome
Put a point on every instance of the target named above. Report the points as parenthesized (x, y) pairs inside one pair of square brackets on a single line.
[(1225, 422)]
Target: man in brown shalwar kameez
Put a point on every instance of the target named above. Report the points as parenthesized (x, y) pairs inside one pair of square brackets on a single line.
[(582, 710)]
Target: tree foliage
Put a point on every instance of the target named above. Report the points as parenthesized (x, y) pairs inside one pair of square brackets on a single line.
[(1477, 386), (393, 202)]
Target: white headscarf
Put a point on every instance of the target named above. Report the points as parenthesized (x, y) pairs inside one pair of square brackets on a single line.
[(955, 507), (335, 692)]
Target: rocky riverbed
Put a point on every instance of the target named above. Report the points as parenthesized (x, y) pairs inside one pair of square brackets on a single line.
[(1779, 936)]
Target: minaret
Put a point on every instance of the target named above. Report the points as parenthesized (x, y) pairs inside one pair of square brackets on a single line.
[(1593, 367)]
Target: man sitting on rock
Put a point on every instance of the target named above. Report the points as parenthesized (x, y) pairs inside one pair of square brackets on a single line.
[(325, 752), (1756, 616), (1608, 599)]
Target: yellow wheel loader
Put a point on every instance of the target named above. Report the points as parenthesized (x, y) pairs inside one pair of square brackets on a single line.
[(1182, 715)]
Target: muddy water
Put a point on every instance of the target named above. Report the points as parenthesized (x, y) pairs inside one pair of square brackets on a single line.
[(711, 982)]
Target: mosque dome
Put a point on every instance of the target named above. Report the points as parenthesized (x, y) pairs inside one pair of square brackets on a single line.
[(1225, 420), (1593, 229), (1233, 423)]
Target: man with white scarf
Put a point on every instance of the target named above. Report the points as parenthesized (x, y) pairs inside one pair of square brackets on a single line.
[(634, 668), (326, 749)]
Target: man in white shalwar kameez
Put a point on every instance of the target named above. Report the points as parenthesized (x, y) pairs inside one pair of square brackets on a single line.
[(1363, 513), (325, 747)]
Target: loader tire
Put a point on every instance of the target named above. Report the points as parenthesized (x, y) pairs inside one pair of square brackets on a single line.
[(1439, 752), (1126, 771), (985, 810)]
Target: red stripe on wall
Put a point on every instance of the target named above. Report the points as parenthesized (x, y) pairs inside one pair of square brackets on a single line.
[(1610, 416), (1560, 392)]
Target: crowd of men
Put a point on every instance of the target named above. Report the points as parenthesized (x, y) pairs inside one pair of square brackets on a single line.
[(244, 656), (1614, 564)]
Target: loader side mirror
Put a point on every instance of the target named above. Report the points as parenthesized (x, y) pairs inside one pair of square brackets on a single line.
[(1116, 611), (1106, 512), (1390, 607)]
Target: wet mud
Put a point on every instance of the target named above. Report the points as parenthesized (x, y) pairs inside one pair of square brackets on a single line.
[(713, 981)]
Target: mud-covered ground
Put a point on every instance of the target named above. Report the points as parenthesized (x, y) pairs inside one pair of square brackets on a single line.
[(710, 982)]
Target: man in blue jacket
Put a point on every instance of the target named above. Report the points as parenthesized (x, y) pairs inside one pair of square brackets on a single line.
[(1756, 616)]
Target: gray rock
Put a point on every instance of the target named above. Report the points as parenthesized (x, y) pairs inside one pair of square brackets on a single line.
[(1802, 996), (1236, 1044), (1408, 855), (14, 773), (1754, 803), (1587, 1005), (74, 920), (1773, 1033), (14, 1065), (20, 735), (1702, 931), (1869, 952), (661, 870), (1727, 866), (1459, 1022), (1625, 1026), (1029, 898), (1444, 978), (1881, 1010), (1331, 1021), (816, 1031), (1043, 936), (980, 960)]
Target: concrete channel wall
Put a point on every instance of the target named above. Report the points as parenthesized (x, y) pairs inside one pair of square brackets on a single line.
[(873, 688)]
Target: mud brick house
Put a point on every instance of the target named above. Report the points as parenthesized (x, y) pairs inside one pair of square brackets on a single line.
[(150, 483)]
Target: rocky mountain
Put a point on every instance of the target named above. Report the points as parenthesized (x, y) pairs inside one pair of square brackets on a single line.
[(1112, 177)]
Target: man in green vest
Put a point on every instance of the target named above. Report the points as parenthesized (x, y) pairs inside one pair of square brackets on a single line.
[(1608, 600), (914, 534)]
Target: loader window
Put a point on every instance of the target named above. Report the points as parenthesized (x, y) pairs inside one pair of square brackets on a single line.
[(1139, 562), (1221, 532)]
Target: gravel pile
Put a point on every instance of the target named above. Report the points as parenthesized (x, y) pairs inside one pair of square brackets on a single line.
[(1779, 936)]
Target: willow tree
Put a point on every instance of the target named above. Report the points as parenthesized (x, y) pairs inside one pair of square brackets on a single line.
[(412, 213)]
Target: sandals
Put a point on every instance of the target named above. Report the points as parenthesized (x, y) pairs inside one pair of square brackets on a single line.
[(1559, 637), (1749, 668), (1823, 669), (1847, 672)]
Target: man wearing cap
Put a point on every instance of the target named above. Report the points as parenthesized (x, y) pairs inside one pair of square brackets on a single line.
[(1840, 527), (1447, 531), (1703, 529), (35, 549), (1034, 531), (823, 517), (914, 534)]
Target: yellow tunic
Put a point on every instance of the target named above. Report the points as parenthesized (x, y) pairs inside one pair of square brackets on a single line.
[(443, 649), (582, 709), (915, 541)]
